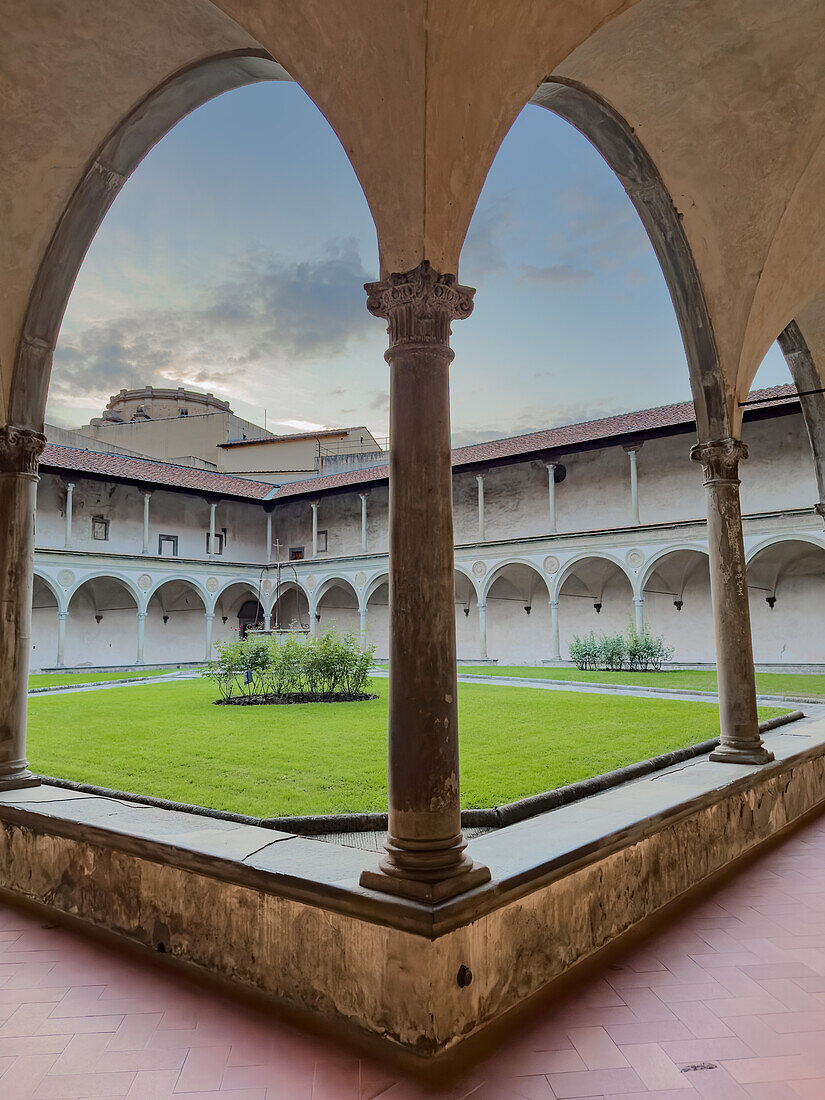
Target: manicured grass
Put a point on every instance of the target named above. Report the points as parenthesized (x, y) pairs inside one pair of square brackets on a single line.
[(59, 679), (767, 683), (170, 740)]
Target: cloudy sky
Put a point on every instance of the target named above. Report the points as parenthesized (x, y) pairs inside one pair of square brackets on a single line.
[(234, 261)]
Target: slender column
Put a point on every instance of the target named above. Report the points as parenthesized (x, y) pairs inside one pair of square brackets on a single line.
[(314, 506), (426, 857), (482, 628), (362, 625), (551, 494), (67, 540), (210, 618), (480, 484), (554, 629), (739, 725), (634, 485), (268, 537), (363, 497), (212, 507), (639, 608), (19, 452), (146, 497), (141, 627), (62, 616), (268, 619), (313, 622)]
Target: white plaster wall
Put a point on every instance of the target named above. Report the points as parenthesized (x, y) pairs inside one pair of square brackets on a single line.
[(112, 641), (577, 616), (689, 631), (794, 631), (49, 523), (43, 652), (378, 622), (338, 609), (779, 471)]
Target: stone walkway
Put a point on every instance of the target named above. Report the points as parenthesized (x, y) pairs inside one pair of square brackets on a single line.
[(723, 1001)]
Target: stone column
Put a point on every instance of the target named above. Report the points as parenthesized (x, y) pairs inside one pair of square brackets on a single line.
[(632, 452), (212, 507), (314, 507), (426, 858), (739, 725), (363, 497), (210, 618), (554, 629), (268, 537), (67, 540), (639, 608), (551, 494), (268, 619), (141, 628), (362, 624), (19, 452), (480, 484), (146, 497), (62, 616), (482, 628)]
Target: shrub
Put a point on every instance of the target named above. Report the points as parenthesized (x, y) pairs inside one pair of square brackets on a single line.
[(328, 664), (638, 651)]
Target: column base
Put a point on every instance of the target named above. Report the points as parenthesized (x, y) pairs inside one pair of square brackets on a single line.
[(15, 782), (475, 875), (742, 754)]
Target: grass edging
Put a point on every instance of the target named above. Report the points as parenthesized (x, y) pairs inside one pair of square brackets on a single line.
[(493, 817)]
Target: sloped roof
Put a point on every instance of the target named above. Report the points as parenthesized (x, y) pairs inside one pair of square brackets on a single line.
[(148, 471), (608, 428)]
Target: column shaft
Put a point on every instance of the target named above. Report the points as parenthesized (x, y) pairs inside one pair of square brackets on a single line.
[(146, 497), (362, 625), (314, 507), (19, 452), (554, 629), (482, 629), (363, 522), (480, 483), (141, 629), (634, 487), (739, 724), (212, 508), (551, 494), (67, 541), (268, 537), (61, 638), (639, 608), (425, 849)]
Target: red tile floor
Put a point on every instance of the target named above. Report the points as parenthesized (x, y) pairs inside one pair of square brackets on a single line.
[(724, 1000)]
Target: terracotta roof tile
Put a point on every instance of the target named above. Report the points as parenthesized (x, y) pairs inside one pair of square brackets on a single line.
[(151, 472)]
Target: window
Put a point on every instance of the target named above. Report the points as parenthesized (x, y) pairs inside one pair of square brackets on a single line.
[(322, 542), (220, 540), (183, 412), (100, 528), (168, 546), (296, 553)]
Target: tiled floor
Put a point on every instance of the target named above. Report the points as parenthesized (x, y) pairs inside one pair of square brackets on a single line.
[(725, 1002)]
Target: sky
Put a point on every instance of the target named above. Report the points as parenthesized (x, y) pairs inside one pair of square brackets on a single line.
[(234, 259)]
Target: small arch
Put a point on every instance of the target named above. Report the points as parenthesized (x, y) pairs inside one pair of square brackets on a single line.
[(570, 566), (125, 582), (374, 585), (786, 587), (46, 606), (677, 603), (180, 578), (653, 562), (493, 575), (175, 622), (344, 617), (52, 587), (776, 540), (102, 622), (518, 623)]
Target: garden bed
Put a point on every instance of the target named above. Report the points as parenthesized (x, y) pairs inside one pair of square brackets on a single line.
[(288, 698)]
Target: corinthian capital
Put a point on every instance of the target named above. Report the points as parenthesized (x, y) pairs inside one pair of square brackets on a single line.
[(419, 304), (720, 458), (20, 449)]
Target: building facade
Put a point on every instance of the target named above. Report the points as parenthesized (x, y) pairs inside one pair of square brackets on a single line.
[(587, 527)]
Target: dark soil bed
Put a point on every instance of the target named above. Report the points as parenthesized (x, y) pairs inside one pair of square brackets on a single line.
[(294, 697)]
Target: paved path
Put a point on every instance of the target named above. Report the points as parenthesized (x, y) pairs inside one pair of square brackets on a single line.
[(724, 1001)]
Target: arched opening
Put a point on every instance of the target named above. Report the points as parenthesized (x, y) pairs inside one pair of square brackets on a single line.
[(468, 643), (518, 616), (102, 625), (175, 624), (677, 605), (786, 585), (290, 609), (378, 616), (595, 594), (44, 646), (236, 609), (337, 607)]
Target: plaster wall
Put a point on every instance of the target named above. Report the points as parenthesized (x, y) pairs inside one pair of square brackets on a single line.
[(793, 630)]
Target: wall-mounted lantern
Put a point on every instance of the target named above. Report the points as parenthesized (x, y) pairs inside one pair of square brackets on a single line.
[(597, 607), (770, 601), (165, 619), (678, 604), (98, 618)]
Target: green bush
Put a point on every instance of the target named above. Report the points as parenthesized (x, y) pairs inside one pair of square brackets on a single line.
[(328, 664), (637, 651)]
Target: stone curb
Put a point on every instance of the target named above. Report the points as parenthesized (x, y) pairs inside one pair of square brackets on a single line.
[(494, 817)]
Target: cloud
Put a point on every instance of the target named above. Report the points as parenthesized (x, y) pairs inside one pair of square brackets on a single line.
[(555, 275), (268, 317), (483, 252)]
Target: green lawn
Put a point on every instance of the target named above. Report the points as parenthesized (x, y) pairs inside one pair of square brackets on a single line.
[(767, 683), (60, 679), (169, 740)]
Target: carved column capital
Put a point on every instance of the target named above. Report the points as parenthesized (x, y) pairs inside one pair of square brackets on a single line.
[(419, 304), (20, 448), (720, 458)]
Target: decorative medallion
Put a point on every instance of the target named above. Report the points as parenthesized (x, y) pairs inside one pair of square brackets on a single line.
[(312, 580), (267, 586), (65, 578), (144, 581), (551, 564), (634, 558), (212, 584), (479, 568), (360, 579)]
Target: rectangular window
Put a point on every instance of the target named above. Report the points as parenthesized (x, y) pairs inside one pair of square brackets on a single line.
[(296, 553), (322, 542), (219, 542), (168, 546), (100, 528)]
